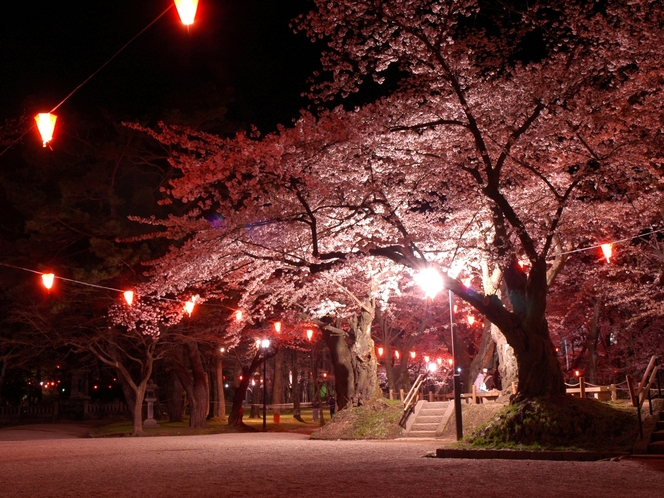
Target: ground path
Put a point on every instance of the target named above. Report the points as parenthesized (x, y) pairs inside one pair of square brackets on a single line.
[(34, 463)]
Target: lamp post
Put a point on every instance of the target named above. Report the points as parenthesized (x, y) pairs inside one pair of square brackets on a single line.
[(432, 283), (265, 344)]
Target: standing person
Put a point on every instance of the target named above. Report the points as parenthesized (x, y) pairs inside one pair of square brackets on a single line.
[(333, 405)]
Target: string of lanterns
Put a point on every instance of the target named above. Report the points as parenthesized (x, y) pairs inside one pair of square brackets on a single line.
[(45, 121)]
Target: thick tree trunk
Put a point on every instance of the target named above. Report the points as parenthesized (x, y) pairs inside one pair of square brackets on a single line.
[(344, 377), (278, 379), (217, 400), (195, 383), (295, 389), (129, 393), (138, 409), (364, 356), (507, 364), (237, 412)]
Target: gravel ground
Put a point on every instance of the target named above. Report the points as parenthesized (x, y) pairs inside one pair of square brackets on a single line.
[(291, 465)]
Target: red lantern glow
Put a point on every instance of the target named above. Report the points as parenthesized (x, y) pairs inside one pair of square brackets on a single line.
[(277, 327), (238, 315), (426, 359), (413, 354), (189, 305), (396, 353), (46, 125), (310, 334), (607, 249), (187, 10), (47, 279), (380, 351), (129, 297), (471, 319)]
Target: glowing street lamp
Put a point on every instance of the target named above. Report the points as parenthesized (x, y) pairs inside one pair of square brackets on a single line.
[(430, 280), (310, 334), (432, 367), (46, 125), (187, 10)]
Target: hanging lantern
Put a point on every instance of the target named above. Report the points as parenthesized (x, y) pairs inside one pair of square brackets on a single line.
[(129, 297), (47, 279), (426, 359), (396, 353), (46, 125), (413, 354), (471, 319), (439, 361), (187, 10), (380, 351), (189, 306), (456, 308), (277, 327), (310, 334), (607, 249), (238, 315)]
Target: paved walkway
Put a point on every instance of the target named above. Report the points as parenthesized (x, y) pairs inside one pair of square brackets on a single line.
[(291, 465)]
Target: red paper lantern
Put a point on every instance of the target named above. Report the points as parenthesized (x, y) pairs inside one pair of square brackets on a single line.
[(129, 297), (46, 125), (47, 279), (607, 249), (187, 10)]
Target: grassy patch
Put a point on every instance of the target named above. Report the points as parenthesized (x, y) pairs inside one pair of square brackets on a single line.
[(378, 419), (560, 423)]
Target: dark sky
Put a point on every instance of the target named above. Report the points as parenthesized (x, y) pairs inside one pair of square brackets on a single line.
[(243, 48)]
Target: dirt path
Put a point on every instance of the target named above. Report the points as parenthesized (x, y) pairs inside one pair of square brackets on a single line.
[(290, 465)]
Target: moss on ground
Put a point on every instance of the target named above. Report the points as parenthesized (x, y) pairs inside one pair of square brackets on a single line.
[(563, 422), (378, 419)]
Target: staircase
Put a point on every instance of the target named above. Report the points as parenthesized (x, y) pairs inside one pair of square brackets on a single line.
[(429, 419), (656, 445)]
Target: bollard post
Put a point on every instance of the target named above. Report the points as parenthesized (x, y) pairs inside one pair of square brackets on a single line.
[(391, 393), (582, 387), (514, 387), (401, 395), (614, 392)]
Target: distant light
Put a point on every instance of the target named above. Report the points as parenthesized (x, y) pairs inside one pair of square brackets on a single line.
[(129, 297), (426, 359), (380, 351), (413, 354), (238, 315), (324, 374), (223, 350), (189, 305), (396, 353), (47, 279), (277, 327), (577, 373), (265, 343), (46, 125), (187, 10), (310, 334), (439, 361), (471, 319), (258, 343), (226, 386), (432, 367)]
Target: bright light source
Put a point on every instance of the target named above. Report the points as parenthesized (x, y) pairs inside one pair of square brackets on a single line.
[(258, 343), (223, 350), (467, 281), (396, 353), (471, 319), (187, 10), (439, 361), (238, 315), (277, 327), (47, 279), (129, 297), (265, 343), (189, 305), (432, 367), (310, 334), (426, 359), (380, 351), (607, 249), (46, 125), (430, 280), (413, 354)]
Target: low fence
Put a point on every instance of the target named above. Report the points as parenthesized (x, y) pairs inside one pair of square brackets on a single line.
[(61, 410)]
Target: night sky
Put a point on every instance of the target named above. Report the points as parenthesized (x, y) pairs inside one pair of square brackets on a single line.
[(242, 50)]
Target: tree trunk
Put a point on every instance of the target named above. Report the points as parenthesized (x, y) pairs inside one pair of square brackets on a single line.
[(195, 384), (295, 383), (344, 377), (3, 371), (507, 365), (278, 378), (237, 412), (217, 399), (138, 409), (364, 356)]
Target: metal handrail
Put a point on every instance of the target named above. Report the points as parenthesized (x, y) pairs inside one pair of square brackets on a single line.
[(409, 401)]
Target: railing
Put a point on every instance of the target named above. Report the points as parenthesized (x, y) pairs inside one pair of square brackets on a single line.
[(602, 393), (638, 394), (411, 398)]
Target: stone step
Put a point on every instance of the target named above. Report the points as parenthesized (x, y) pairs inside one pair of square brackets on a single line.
[(656, 448), (420, 434), (657, 436), (423, 419), (431, 413), (424, 427)]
